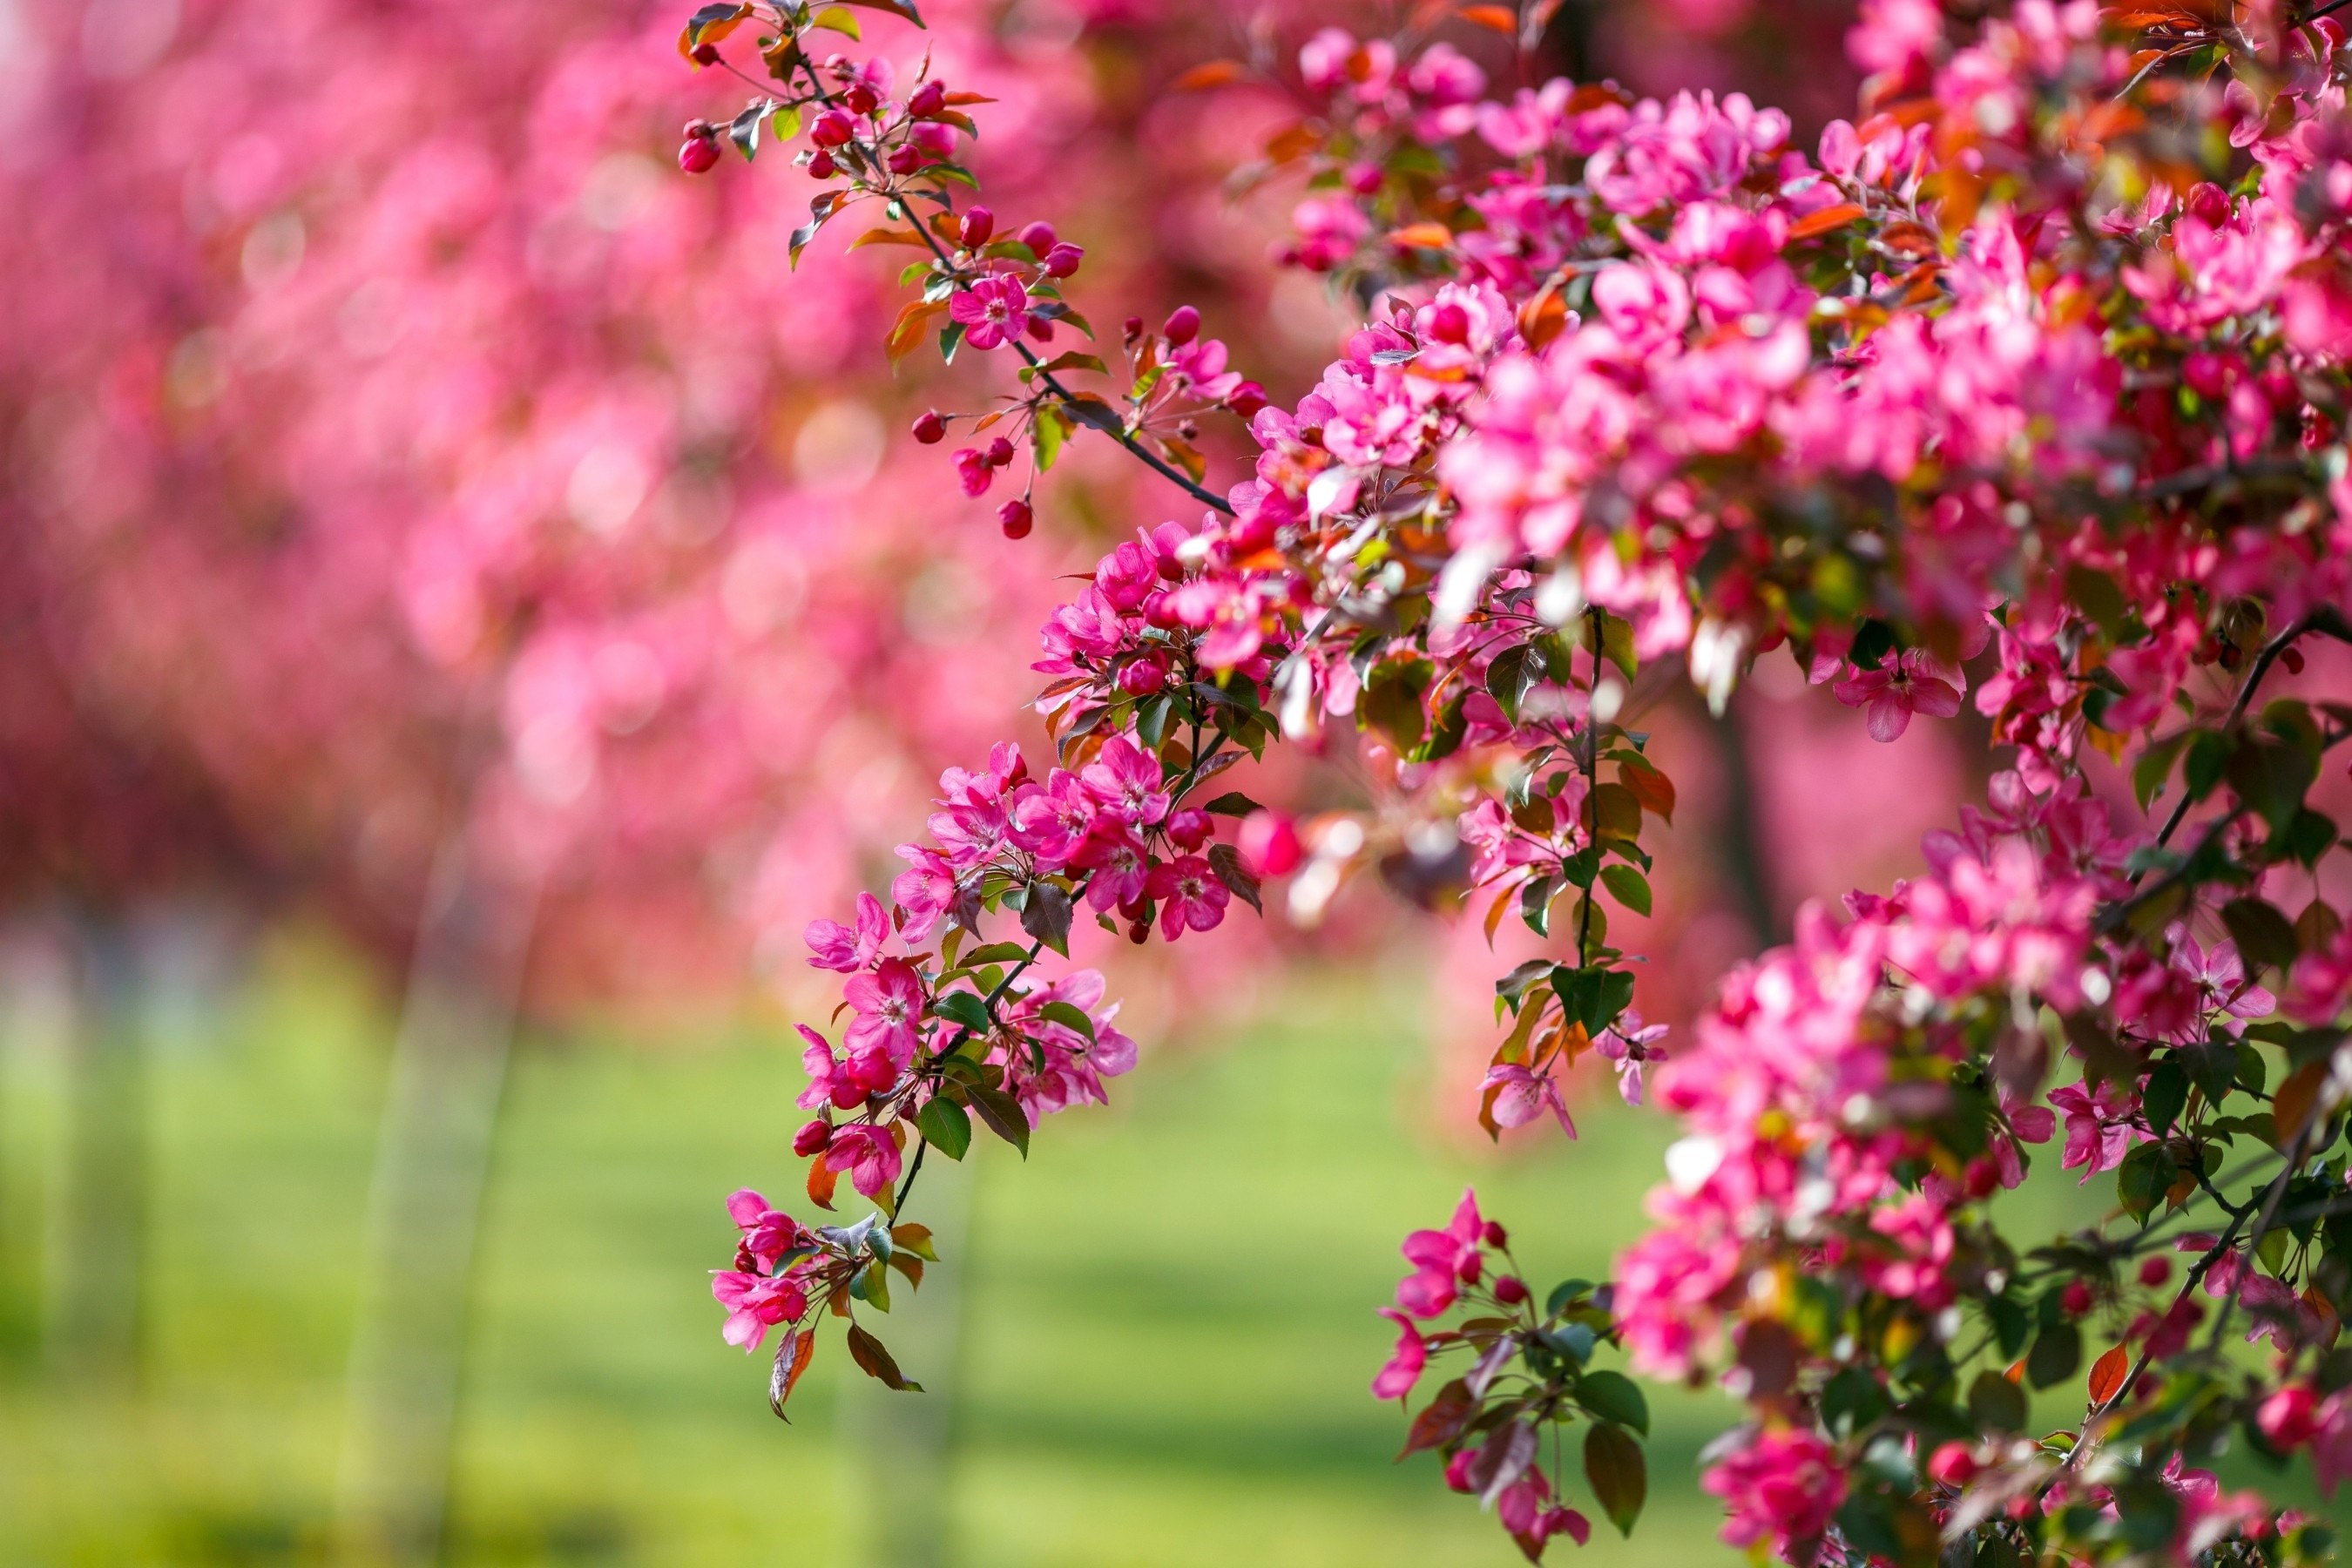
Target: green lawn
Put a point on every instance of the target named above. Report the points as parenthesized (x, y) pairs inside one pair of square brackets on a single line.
[(1165, 1334)]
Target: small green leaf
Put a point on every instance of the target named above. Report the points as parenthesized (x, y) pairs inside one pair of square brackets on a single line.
[(2263, 935), (963, 1009), (2166, 1095), (945, 1127), (1068, 1016), (1618, 1474), (1631, 887), (2054, 1356), (1232, 802), (1004, 1115), (1613, 1397)]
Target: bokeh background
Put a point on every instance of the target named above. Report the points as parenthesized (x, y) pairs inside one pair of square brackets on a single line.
[(466, 603)]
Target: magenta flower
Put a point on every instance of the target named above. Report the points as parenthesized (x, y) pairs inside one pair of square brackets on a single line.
[(755, 1303), (2222, 983), (890, 1006), (1127, 780), (849, 949), (1783, 1488), (768, 1234), (1051, 820), (1521, 1095), (1120, 866), (1442, 1260), (992, 311), (1191, 896), (1916, 682), (869, 1154), (2098, 1127), (1395, 1380)]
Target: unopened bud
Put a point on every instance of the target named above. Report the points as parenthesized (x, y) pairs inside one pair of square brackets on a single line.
[(1952, 1465), (823, 166), (1000, 453), (813, 1138), (977, 223), (1450, 323), (1016, 518), (1511, 1290), (1184, 324), (930, 428), (927, 99), (1063, 258), (697, 154)]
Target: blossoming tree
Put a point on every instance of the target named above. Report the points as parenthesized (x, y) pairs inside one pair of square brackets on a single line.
[(2026, 387)]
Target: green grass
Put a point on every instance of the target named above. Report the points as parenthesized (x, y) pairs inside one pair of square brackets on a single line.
[(1165, 1334)]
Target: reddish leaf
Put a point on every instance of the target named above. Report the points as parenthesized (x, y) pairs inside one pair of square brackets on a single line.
[(1208, 74), (1498, 19), (1422, 236), (821, 1180), (792, 1356), (875, 1362), (2108, 1375), (1816, 224), (1442, 1419)]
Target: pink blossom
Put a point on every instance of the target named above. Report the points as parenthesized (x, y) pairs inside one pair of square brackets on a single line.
[(868, 1154), (992, 311), (1192, 897), (833, 945), (1783, 1488), (1442, 1261), (2099, 1128), (1126, 780), (755, 1303), (889, 1004), (1396, 1379), (1915, 682)]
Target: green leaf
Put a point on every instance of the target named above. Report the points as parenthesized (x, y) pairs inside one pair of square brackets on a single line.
[(1232, 802), (1068, 1016), (1631, 887), (1613, 1397), (2166, 1095), (1226, 862), (2208, 754), (1995, 1403), (1004, 1115), (995, 953), (963, 1009), (2054, 1356), (945, 1127), (1045, 915), (744, 129), (837, 19), (1617, 643), (1618, 1474), (2263, 935), (2155, 766)]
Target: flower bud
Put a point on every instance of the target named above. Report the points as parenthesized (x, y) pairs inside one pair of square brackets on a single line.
[(1190, 829), (1952, 1465), (1494, 1235), (1511, 1290), (1000, 453), (813, 1138), (1038, 237), (697, 154), (977, 223), (1269, 845), (706, 54), (930, 428), (1364, 179), (833, 129), (1184, 324), (927, 99), (1450, 323), (1139, 933), (860, 98), (2287, 1417), (2156, 1271), (1142, 677), (1062, 259), (2077, 1297), (1246, 399), (1457, 1469), (904, 159), (1134, 325), (1016, 518)]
